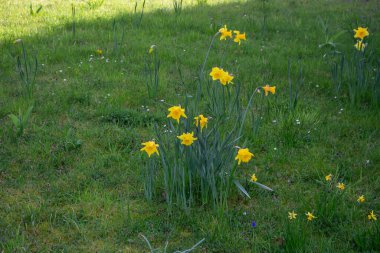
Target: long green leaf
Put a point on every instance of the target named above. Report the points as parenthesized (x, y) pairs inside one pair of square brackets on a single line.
[(15, 120), (241, 188), (263, 186)]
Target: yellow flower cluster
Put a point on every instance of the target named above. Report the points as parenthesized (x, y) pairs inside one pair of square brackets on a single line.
[(225, 33), (201, 120), (361, 199), (223, 76), (341, 186), (360, 34)]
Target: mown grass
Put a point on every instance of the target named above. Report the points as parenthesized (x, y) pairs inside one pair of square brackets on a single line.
[(73, 182)]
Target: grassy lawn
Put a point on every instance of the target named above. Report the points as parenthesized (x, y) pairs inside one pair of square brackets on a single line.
[(74, 180)]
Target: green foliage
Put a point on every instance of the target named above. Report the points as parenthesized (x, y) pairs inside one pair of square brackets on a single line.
[(71, 142), (296, 236), (136, 18), (20, 122), (151, 72), (27, 69), (177, 5), (367, 238), (152, 250), (94, 4), (32, 12)]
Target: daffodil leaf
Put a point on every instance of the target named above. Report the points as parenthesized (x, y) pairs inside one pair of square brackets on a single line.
[(337, 35), (263, 186), (241, 188)]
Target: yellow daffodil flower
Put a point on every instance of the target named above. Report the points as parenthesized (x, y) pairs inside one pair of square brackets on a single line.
[(361, 33), (187, 138), (372, 216), (150, 147), (360, 45), (271, 89), (239, 37), (243, 155), (99, 52), (341, 186), (361, 199), (202, 120), (225, 33), (292, 215), (226, 78), (328, 177), (216, 73), (151, 49), (253, 178), (176, 112), (310, 216)]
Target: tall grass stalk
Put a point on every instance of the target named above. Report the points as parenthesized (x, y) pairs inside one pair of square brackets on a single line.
[(294, 87), (177, 5), (151, 72), (137, 19), (27, 70)]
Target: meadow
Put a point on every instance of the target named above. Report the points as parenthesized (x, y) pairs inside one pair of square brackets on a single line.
[(84, 83)]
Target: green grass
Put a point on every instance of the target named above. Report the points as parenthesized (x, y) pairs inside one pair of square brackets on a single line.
[(74, 181)]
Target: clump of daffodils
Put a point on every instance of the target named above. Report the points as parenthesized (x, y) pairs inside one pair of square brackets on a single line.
[(200, 162), (360, 34), (222, 76), (201, 120), (225, 33)]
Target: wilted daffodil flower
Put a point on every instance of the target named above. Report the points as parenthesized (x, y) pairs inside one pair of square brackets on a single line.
[(225, 33), (99, 52), (202, 120), (271, 89), (292, 215), (361, 32), (328, 177), (243, 155), (360, 45), (176, 112), (239, 37), (187, 138), (152, 48), (341, 186), (150, 147), (361, 199), (253, 178)]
